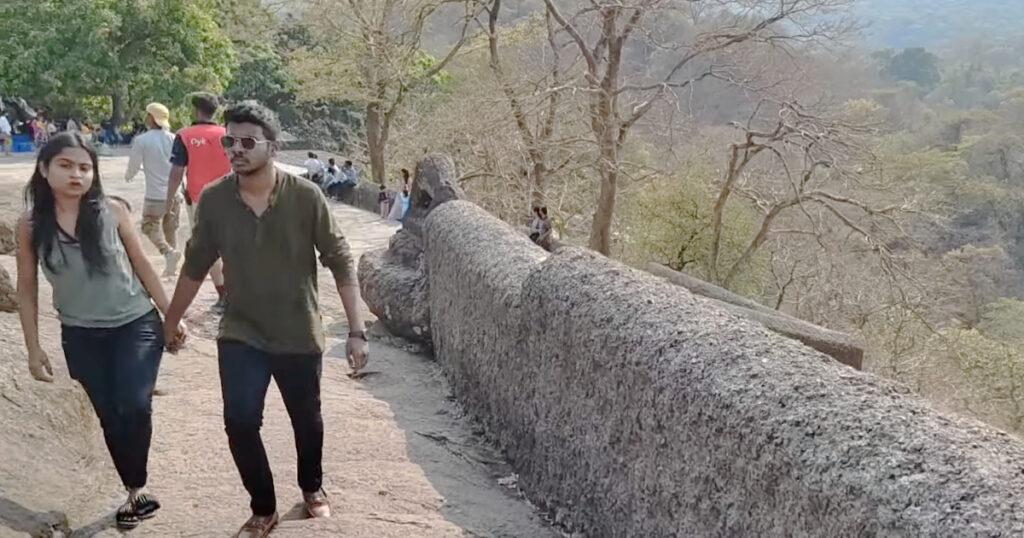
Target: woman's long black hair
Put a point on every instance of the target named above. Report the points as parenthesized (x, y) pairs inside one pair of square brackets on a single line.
[(41, 200)]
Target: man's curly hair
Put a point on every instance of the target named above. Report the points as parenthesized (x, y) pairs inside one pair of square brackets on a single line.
[(252, 112), (205, 102)]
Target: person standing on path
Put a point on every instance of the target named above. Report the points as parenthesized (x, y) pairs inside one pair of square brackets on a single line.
[(104, 290), (401, 205), (6, 134), (39, 132), (197, 149), (382, 201), (268, 226), (152, 151)]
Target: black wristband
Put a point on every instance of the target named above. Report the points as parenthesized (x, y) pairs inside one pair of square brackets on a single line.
[(358, 334)]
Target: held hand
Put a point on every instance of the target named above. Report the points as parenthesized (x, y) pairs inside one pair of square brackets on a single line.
[(174, 336), (39, 365), (357, 350), (182, 336)]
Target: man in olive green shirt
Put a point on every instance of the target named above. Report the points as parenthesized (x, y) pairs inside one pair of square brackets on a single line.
[(267, 226)]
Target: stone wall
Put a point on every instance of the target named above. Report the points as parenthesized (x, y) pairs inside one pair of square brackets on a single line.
[(631, 407), (364, 196), (840, 346)]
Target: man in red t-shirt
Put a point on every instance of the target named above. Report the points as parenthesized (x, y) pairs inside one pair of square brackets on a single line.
[(197, 149)]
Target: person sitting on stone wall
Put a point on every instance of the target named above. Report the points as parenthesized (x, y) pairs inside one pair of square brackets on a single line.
[(540, 228), (346, 179), (383, 202), (314, 168)]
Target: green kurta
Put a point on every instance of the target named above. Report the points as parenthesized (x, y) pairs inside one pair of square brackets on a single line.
[(269, 262)]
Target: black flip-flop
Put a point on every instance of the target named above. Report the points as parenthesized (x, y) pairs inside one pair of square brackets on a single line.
[(146, 506), (133, 512), (126, 517)]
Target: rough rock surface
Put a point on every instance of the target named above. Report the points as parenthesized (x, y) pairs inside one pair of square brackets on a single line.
[(393, 282), (434, 184), (8, 293), (840, 346), (394, 287), (49, 433), (12, 206), (8, 240), (631, 407)]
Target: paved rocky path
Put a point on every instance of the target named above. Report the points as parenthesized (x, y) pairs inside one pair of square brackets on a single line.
[(399, 458)]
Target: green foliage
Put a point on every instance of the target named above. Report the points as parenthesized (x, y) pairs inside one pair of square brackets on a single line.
[(1003, 320), (668, 222), (995, 155), (969, 86), (264, 76), (915, 65), (423, 64), (980, 375), (66, 51), (928, 169)]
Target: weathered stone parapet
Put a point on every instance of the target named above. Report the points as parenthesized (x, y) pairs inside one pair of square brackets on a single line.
[(840, 346), (632, 407), (364, 196)]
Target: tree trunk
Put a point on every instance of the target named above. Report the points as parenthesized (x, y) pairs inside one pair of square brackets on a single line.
[(538, 182), (601, 226), (376, 141), (759, 239), (538, 174), (605, 125), (117, 115), (600, 229), (736, 167)]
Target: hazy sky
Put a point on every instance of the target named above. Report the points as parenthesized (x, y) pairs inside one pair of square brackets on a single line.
[(932, 23)]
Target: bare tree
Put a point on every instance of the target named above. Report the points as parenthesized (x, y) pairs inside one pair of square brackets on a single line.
[(603, 29), (535, 140), (808, 165), (370, 52)]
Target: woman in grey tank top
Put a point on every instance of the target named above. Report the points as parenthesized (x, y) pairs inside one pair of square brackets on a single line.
[(107, 296)]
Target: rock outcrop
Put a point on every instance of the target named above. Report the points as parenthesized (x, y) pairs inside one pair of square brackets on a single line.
[(8, 292), (393, 281), (11, 208)]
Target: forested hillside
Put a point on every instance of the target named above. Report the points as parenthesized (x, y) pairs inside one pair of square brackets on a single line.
[(869, 180)]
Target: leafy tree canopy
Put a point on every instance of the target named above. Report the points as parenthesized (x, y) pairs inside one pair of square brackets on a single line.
[(129, 51)]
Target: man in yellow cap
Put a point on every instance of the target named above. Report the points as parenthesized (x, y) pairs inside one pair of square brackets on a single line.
[(152, 151)]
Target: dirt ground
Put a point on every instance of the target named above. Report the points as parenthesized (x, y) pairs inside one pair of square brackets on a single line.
[(400, 459)]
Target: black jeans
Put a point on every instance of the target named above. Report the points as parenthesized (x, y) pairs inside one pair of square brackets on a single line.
[(245, 374), (118, 369)]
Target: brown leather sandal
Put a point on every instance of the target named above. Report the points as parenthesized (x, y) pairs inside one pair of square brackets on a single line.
[(317, 504), (258, 526)]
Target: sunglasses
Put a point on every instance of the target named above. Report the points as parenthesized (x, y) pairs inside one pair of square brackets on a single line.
[(247, 142)]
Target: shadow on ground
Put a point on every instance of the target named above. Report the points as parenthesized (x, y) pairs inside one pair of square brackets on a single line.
[(477, 484), (17, 518)]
